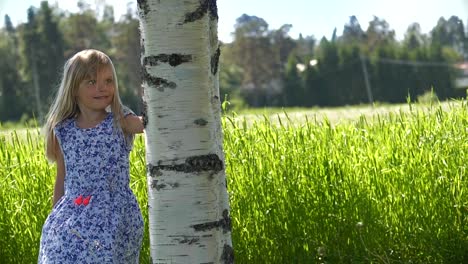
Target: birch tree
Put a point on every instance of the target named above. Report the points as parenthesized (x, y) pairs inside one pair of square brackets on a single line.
[(188, 203)]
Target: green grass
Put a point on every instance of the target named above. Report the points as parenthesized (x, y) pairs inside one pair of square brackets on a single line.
[(388, 189)]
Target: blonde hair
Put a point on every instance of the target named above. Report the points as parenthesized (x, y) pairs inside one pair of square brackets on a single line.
[(79, 67)]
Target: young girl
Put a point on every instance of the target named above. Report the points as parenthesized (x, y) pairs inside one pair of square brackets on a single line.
[(95, 216)]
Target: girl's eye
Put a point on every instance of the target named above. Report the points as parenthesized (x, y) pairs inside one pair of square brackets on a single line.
[(109, 81), (92, 82)]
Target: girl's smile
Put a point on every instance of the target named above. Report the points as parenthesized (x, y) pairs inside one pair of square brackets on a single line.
[(101, 97)]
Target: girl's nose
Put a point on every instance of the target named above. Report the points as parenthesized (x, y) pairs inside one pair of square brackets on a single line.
[(100, 86)]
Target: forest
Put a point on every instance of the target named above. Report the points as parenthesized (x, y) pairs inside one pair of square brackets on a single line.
[(261, 67)]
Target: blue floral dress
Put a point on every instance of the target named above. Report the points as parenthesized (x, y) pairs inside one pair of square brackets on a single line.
[(98, 220)]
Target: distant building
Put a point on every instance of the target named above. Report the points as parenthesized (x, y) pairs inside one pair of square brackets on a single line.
[(461, 81)]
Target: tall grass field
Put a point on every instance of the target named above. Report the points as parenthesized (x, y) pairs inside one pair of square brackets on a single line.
[(387, 189)]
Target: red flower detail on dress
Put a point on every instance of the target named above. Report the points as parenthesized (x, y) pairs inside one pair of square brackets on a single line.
[(86, 200), (79, 200)]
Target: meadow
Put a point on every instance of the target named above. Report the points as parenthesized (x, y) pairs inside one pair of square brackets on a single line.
[(384, 188)]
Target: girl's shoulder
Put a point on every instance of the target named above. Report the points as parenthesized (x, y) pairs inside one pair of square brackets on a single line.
[(64, 123), (127, 111)]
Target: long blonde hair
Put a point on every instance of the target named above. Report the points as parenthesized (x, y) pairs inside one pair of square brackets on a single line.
[(79, 67)]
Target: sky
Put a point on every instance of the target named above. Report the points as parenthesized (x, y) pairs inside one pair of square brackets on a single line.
[(316, 18)]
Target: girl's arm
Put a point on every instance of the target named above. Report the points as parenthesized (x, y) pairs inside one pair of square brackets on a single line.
[(133, 124), (60, 178)]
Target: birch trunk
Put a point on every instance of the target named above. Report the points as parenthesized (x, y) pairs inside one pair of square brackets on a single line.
[(188, 203)]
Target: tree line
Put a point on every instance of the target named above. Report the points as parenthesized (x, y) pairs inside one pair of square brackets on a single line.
[(268, 68), (260, 67)]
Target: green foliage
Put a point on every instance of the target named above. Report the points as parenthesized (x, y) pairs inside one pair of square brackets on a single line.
[(387, 190), (41, 56), (11, 87), (294, 91), (256, 69), (353, 32), (394, 69), (24, 122), (230, 79), (233, 104), (26, 184), (328, 69), (126, 53), (254, 53), (428, 97)]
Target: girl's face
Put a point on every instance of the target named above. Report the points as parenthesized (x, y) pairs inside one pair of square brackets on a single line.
[(95, 93)]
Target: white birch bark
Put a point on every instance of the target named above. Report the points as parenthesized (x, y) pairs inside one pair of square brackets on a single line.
[(188, 203)]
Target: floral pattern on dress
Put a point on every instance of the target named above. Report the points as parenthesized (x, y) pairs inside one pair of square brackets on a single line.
[(98, 219)]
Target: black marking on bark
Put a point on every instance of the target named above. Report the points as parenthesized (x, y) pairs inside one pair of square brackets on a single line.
[(215, 61), (228, 254), (189, 241), (144, 114), (144, 7), (210, 162), (201, 122), (205, 7), (173, 59), (155, 185), (142, 45), (213, 9), (157, 82), (142, 71), (224, 223), (154, 172)]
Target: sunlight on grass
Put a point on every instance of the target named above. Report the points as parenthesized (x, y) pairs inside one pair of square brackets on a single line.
[(389, 188)]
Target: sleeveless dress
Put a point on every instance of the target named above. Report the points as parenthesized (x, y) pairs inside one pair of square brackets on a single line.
[(98, 219)]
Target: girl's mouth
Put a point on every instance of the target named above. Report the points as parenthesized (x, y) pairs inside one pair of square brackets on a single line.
[(101, 97)]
